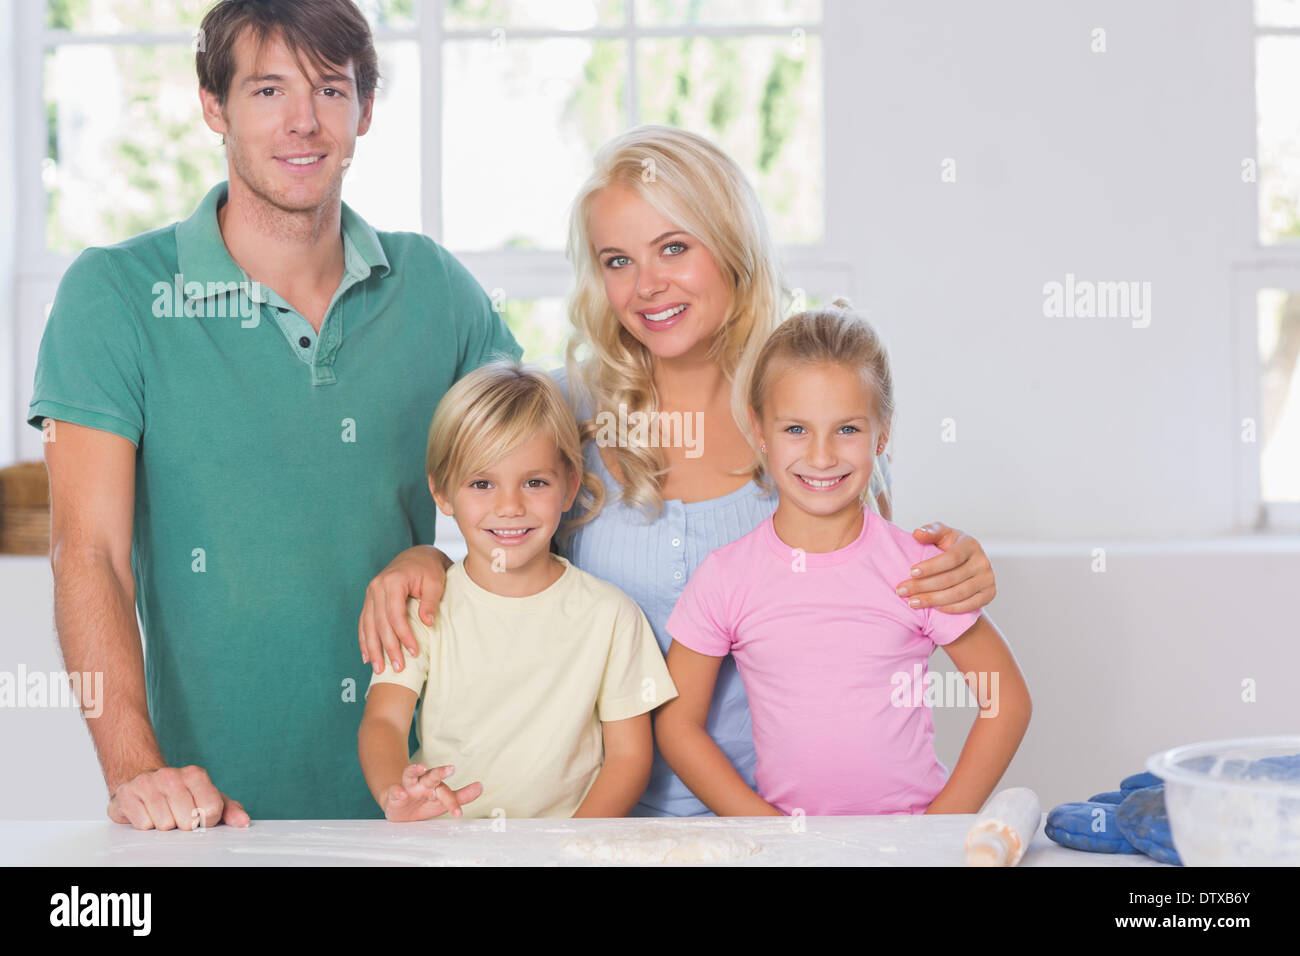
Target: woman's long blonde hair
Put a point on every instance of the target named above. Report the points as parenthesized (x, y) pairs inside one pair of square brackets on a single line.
[(493, 410), (701, 190)]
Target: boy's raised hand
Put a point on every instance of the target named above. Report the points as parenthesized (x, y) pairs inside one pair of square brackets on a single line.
[(422, 795)]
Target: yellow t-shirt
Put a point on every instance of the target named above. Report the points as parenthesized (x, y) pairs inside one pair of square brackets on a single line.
[(513, 689)]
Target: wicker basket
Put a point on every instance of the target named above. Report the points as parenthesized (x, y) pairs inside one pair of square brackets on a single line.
[(25, 509)]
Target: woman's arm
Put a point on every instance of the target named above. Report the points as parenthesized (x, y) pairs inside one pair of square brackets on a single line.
[(629, 751), (419, 572), (959, 580), (686, 745), (1000, 724)]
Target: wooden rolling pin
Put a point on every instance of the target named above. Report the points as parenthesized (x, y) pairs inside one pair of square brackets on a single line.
[(1001, 833)]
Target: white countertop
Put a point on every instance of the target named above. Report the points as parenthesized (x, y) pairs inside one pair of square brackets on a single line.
[(896, 840)]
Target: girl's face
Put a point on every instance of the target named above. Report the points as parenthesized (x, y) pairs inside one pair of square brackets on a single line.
[(509, 512), (821, 430), (662, 283)]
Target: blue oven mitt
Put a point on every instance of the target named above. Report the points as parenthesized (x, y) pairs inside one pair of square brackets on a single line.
[(1144, 821), (1139, 780), (1110, 796), (1089, 825), (1275, 768), (1134, 819)]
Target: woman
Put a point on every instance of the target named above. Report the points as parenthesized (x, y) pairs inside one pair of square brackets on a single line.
[(676, 290)]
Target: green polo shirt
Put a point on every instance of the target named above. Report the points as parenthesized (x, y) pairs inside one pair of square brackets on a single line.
[(277, 471)]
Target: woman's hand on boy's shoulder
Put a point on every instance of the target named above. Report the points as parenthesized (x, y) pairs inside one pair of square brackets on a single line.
[(419, 572), (422, 795), (959, 580)]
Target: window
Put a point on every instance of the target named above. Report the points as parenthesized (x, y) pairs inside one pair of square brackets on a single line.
[(486, 118), (1267, 299)]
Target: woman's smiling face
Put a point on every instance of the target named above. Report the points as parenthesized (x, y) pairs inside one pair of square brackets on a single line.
[(662, 283)]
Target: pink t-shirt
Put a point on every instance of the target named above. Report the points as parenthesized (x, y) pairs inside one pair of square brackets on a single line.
[(827, 650)]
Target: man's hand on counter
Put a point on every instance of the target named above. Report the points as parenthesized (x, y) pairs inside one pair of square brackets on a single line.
[(174, 798)]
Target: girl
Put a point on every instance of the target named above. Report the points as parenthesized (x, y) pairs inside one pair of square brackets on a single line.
[(676, 290), (536, 679), (805, 605)]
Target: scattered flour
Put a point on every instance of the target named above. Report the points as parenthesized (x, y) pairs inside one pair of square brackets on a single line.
[(655, 845)]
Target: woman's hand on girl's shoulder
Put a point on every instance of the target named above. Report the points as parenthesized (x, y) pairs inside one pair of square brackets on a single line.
[(959, 580), (419, 572)]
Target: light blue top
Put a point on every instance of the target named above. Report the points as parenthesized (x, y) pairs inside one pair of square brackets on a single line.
[(651, 563)]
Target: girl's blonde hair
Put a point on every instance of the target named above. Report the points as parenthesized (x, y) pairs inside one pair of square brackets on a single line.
[(834, 335), (696, 186), (493, 410)]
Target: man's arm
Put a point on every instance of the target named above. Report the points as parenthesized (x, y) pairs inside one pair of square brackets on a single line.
[(92, 502)]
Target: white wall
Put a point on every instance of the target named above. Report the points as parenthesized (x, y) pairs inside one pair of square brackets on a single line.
[(1113, 166)]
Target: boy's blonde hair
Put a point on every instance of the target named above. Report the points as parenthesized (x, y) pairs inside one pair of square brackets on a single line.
[(834, 335), (493, 410), (695, 185)]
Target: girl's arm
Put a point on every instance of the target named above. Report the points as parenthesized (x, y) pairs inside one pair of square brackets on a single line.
[(629, 751), (686, 745), (1004, 714), (419, 572), (404, 791)]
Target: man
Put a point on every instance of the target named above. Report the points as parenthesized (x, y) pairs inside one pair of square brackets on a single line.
[(238, 405)]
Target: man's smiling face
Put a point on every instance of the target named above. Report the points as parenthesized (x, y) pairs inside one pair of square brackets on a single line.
[(289, 137)]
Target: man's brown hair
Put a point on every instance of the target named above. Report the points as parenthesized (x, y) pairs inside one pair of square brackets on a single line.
[(324, 31)]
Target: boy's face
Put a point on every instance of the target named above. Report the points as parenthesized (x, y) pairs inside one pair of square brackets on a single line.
[(821, 433), (509, 511), (289, 138)]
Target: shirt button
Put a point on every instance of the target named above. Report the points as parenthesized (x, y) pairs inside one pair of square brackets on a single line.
[(282, 308), (304, 341), (677, 575), (677, 542)]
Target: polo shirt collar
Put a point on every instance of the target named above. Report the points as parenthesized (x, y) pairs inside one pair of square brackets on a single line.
[(202, 256)]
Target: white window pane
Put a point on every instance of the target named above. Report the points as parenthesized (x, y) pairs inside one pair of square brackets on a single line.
[(760, 100), (393, 14), (383, 182), (127, 147), (124, 16), (159, 16), (686, 12), (1279, 380), (1277, 81), (1277, 13), (540, 326), (553, 14), (522, 119)]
